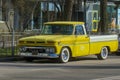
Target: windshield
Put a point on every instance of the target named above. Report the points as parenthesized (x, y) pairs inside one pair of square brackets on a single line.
[(57, 29)]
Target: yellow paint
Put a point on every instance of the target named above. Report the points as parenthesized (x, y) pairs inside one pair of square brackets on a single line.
[(95, 47)]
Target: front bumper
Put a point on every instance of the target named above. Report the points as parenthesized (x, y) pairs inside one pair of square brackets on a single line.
[(39, 55)]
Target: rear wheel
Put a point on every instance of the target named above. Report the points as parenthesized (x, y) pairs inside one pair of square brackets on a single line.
[(64, 55), (103, 54)]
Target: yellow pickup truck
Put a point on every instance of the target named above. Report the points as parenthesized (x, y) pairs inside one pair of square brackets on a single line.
[(63, 40)]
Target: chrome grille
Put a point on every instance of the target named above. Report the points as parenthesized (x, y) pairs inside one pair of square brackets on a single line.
[(35, 50)]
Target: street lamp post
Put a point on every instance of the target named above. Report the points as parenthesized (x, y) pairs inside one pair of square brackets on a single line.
[(32, 16), (32, 22), (13, 31), (85, 12), (11, 22)]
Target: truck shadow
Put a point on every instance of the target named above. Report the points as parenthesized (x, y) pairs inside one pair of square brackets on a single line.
[(77, 59), (46, 61), (83, 59)]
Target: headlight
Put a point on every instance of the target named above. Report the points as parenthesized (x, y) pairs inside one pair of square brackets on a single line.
[(50, 50)]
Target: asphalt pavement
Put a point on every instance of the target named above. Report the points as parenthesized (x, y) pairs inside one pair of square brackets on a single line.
[(83, 68)]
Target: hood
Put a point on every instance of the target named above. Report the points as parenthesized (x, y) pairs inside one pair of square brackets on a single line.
[(47, 39)]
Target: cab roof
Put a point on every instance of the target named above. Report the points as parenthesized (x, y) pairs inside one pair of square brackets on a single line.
[(65, 22)]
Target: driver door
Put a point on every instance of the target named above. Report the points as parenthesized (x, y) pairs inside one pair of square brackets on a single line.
[(81, 41)]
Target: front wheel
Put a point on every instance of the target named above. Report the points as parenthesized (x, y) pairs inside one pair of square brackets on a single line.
[(103, 54), (64, 55)]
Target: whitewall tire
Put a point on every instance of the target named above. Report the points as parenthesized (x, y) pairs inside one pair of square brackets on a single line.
[(64, 55), (103, 54)]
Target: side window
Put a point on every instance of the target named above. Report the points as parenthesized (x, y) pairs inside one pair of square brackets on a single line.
[(79, 30)]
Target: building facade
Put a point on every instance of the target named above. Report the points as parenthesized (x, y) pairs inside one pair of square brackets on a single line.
[(49, 11)]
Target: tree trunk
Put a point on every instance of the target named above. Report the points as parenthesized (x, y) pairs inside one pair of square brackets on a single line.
[(103, 16), (68, 9)]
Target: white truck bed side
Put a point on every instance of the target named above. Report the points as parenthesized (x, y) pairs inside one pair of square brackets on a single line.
[(97, 38)]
